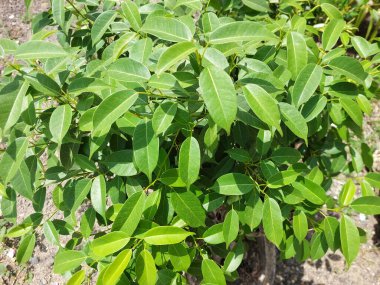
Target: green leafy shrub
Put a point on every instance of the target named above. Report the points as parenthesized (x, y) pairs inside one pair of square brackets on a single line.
[(166, 133)]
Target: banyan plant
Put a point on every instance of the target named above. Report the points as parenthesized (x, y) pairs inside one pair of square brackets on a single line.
[(158, 140)]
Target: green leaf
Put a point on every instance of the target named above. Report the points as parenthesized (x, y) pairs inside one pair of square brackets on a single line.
[(179, 257), (67, 260), (347, 194), (117, 267), (286, 155), (121, 163), (258, 5), (212, 274), (193, 4), (171, 178), (145, 148), (332, 32), (331, 11), (369, 205), (39, 50), (130, 214), (263, 105), (234, 258), (318, 246), (128, 70), (77, 278), (253, 211), (11, 99), (294, 120), (272, 221), (300, 226), (167, 28), (174, 55), (141, 50), (188, 208), (110, 109), (219, 95), (363, 47), (372, 178), (101, 25), (58, 10), (98, 195), (109, 243), (214, 234), (233, 184), (330, 227), (12, 159), (297, 53), (353, 110), (310, 190), (165, 235), (282, 178), (131, 13), (349, 238), (364, 104), (163, 116), (25, 248), (51, 233), (230, 227), (59, 123), (146, 271), (349, 67), (189, 161), (22, 181), (306, 84), (241, 31)]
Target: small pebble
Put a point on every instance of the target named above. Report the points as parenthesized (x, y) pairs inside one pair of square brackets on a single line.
[(362, 217), (11, 253)]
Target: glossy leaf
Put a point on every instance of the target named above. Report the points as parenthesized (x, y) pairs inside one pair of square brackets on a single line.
[(350, 239), (189, 161), (116, 268), (367, 205), (165, 235), (98, 195), (233, 184), (174, 55), (109, 243), (230, 227), (101, 24), (60, 122), (272, 221), (188, 208), (146, 271), (67, 260)]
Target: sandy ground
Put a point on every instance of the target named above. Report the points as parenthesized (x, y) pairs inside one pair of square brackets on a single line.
[(329, 270)]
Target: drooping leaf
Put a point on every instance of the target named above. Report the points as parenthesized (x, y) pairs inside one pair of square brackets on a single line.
[(349, 238), (60, 121), (294, 120), (300, 226), (25, 248), (189, 161), (272, 221), (98, 195), (230, 227)]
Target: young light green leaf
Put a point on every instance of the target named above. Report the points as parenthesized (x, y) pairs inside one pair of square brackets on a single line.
[(117, 267), (39, 50), (300, 226), (77, 278), (233, 184), (67, 260), (294, 120), (109, 243), (146, 271), (332, 32), (272, 221), (230, 227), (349, 238), (188, 208), (347, 194), (25, 248), (263, 105), (145, 148), (306, 83), (297, 53), (241, 31), (369, 205), (101, 24), (212, 274), (189, 161), (130, 214), (219, 95), (174, 55), (110, 109), (167, 28), (60, 121), (131, 12), (98, 195), (373, 179), (163, 235)]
